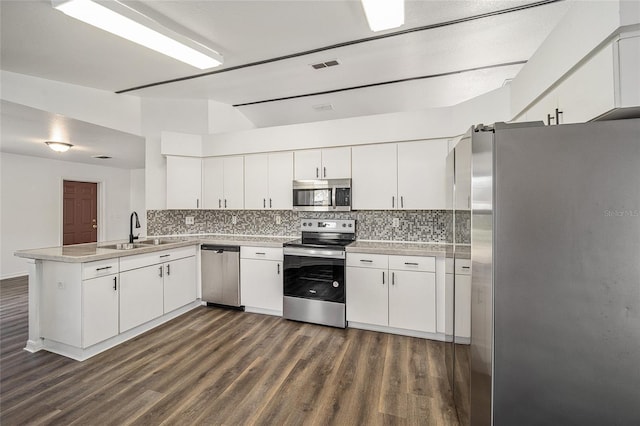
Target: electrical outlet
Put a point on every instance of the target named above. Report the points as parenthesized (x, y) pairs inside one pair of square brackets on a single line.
[(396, 222), (234, 219), (189, 220), (278, 219)]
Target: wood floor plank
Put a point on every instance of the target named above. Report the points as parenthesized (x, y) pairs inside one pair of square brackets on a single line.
[(213, 366)]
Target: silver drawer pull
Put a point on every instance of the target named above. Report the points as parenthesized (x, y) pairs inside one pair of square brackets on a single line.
[(366, 260), (465, 267), (103, 268), (261, 253), (411, 263)]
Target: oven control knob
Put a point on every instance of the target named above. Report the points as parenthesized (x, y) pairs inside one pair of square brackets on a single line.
[(336, 284), (351, 225), (344, 225)]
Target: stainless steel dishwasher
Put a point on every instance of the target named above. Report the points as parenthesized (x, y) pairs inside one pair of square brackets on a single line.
[(221, 275)]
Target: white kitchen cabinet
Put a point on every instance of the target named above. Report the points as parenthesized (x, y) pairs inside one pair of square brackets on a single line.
[(392, 291), (179, 283), (141, 296), (374, 177), (422, 175), (223, 183), (409, 176), (184, 182), (100, 305), (268, 181), (329, 163), (261, 279), (461, 272), (143, 278)]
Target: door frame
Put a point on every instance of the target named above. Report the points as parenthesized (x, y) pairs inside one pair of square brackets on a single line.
[(100, 195)]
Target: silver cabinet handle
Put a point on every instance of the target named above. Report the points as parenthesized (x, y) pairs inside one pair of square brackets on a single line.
[(161, 268), (393, 202), (168, 270), (324, 169), (264, 203), (465, 267), (115, 283), (411, 263), (219, 203), (225, 203), (558, 112), (317, 172), (382, 277), (278, 269), (393, 278), (401, 202), (270, 203), (103, 268), (366, 260), (550, 119), (261, 253), (197, 203)]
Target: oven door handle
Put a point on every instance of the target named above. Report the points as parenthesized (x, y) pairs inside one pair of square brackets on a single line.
[(307, 252)]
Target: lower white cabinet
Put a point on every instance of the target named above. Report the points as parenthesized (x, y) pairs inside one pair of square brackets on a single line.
[(159, 283), (458, 317), (141, 296), (99, 309), (392, 291), (179, 283), (261, 279)]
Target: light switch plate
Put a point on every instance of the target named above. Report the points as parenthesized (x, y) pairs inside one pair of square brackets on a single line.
[(278, 219), (234, 220), (189, 220), (396, 222)]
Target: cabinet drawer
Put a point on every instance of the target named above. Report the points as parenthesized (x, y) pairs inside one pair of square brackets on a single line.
[(364, 260), (99, 268), (412, 263), (261, 253), (141, 260), (463, 266)]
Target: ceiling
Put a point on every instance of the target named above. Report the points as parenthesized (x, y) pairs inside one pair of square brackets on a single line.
[(459, 50)]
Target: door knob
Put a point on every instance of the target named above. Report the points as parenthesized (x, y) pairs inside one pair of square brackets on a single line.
[(94, 226)]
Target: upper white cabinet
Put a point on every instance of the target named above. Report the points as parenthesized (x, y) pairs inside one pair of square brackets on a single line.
[(330, 163), (184, 182), (410, 175), (223, 183), (608, 79), (268, 181)]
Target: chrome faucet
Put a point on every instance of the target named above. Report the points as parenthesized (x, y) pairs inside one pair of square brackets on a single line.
[(131, 237)]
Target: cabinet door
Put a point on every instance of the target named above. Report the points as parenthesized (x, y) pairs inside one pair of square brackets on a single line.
[(422, 175), (412, 300), (233, 183), (308, 164), (374, 177), (463, 306), (99, 309), (367, 295), (261, 285), (179, 283), (336, 163), (280, 181), (184, 182), (256, 185), (212, 183), (141, 296)]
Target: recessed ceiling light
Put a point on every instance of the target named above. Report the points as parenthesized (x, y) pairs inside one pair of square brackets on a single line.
[(125, 22), (58, 146), (383, 14)]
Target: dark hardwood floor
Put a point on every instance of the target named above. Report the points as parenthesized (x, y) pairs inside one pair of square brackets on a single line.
[(217, 366)]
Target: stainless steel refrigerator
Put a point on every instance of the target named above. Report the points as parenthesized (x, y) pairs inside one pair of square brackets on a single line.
[(555, 249)]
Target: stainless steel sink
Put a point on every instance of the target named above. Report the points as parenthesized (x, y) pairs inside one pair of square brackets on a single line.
[(155, 242), (138, 244)]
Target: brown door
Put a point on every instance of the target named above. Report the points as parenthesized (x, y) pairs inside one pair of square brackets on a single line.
[(79, 212)]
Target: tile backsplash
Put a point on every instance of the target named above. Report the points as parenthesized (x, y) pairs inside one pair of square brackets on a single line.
[(414, 225)]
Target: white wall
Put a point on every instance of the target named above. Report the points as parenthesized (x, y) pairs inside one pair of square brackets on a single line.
[(137, 199), (31, 204), (120, 112), (174, 115), (225, 118)]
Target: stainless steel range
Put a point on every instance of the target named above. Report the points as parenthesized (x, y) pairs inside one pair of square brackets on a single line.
[(314, 272)]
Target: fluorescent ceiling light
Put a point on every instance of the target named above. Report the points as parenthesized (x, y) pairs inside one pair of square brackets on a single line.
[(105, 17), (59, 146), (384, 14)]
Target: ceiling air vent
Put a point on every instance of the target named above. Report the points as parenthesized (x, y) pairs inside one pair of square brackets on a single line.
[(323, 107), (327, 64), (101, 157)]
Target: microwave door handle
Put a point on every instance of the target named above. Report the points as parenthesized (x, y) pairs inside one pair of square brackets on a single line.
[(333, 197)]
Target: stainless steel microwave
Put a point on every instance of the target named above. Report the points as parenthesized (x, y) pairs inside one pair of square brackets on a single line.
[(328, 195)]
